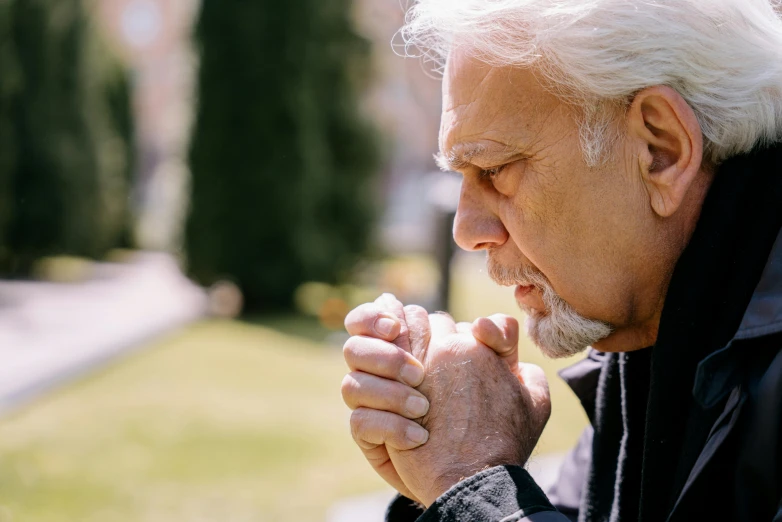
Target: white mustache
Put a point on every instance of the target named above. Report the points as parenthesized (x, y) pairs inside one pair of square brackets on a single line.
[(520, 275), (558, 330)]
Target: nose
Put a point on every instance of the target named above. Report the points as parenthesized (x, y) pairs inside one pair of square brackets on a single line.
[(477, 226)]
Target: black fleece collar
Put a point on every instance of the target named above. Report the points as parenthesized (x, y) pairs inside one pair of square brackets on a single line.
[(694, 358), (710, 291)]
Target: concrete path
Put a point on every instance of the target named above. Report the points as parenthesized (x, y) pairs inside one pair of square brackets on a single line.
[(53, 332), (371, 508)]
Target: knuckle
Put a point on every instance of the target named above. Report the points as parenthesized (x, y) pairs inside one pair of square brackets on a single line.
[(350, 319), (359, 316), (395, 361), (358, 423), (460, 348), (389, 298), (349, 348), (388, 425), (398, 396), (354, 351), (390, 360), (376, 459), (357, 349), (442, 314), (374, 426), (457, 343), (349, 388), (416, 310), (374, 356), (468, 345), (445, 350)]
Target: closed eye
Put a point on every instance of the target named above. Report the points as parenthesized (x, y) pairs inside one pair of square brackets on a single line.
[(492, 172)]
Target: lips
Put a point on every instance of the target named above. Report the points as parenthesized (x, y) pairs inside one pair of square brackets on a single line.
[(522, 290), (529, 299)]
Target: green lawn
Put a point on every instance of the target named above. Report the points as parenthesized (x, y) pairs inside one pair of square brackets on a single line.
[(225, 421)]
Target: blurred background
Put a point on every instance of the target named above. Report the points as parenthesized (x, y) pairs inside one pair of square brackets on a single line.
[(193, 194)]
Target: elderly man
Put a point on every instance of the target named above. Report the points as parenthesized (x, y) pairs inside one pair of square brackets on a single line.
[(620, 169)]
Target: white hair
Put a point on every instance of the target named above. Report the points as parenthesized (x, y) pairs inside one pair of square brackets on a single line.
[(723, 56)]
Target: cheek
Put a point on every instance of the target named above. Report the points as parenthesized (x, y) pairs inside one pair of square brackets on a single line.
[(563, 230), (534, 216)]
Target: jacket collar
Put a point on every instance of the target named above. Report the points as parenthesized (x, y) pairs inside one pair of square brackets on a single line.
[(721, 371), (716, 279), (718, 373), (764, 313)]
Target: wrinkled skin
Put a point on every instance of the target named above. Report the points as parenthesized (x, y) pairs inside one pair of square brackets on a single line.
[(487, 409), (606, 238)]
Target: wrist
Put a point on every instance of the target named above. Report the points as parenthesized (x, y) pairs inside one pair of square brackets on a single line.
[(441, 486), (447, 481), (498, 493)]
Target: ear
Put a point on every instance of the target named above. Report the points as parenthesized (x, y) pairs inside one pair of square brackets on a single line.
[(670, 145)]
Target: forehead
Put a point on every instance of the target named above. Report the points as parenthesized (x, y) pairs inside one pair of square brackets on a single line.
[(484, 103)]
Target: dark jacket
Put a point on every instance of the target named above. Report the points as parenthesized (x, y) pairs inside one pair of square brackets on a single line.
[(690, 429)]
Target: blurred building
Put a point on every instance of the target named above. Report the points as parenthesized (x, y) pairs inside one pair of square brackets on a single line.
[(153, 37), (406, 103)]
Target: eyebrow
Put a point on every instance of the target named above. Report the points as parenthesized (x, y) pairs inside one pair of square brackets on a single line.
[(461, 155)]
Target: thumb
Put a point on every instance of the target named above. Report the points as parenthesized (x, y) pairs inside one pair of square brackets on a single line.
[(500, 333), (390, 304)]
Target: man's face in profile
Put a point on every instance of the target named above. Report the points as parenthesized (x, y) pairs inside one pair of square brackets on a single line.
[(581, 244)]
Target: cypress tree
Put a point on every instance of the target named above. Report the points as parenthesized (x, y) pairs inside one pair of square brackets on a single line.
[(67, 188), (282, 162), (9, 85)]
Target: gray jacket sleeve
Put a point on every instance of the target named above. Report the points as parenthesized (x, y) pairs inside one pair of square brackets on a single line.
[(501, 494)]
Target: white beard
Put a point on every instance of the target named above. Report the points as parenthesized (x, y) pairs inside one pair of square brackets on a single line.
[(559, 331)]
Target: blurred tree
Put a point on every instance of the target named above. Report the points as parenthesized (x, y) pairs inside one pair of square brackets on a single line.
[(63, 122), (282, 161), (9, 85), (120, 111)]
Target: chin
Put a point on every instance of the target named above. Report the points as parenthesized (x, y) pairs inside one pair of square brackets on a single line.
[(559, 337)]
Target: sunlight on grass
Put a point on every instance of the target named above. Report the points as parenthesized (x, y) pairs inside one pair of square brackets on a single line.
[(224, 422)]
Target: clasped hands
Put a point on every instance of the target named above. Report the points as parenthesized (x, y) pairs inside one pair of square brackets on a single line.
[(435, 402)]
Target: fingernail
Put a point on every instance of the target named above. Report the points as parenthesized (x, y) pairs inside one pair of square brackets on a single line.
[(384, 326), (412, 375), (417, 434), (417, 406)]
